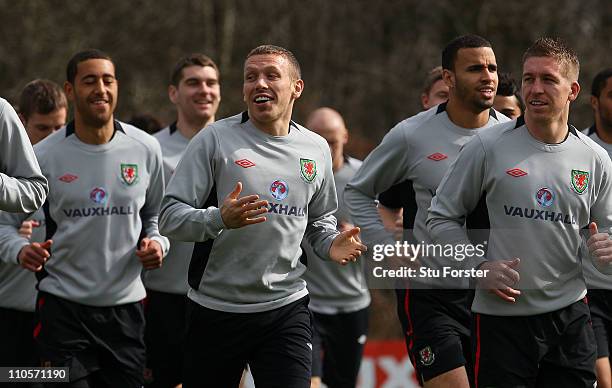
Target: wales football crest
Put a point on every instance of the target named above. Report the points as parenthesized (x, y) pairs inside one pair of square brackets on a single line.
[(129, 173), (580, 181), (308, 169)]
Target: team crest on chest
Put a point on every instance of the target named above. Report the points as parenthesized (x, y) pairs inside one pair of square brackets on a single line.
[(129, 173), (580, 181), (308, 169)]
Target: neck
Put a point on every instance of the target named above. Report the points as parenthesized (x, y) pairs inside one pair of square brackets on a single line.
[(548, 131), (189, 128), (278, 127), (604, 132), (93, 134), (464, 116), (337, 163)]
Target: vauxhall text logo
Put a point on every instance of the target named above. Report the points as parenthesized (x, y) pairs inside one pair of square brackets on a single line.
[(99, 196)]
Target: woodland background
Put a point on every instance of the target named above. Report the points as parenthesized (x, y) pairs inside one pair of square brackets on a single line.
[(365, 58)]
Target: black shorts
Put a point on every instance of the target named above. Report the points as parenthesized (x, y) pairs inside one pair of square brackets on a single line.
[(600, 304), (165, 315), (436, 325), (16, 338), (276, 344), (555, 349), (107, 342), (337, 347)]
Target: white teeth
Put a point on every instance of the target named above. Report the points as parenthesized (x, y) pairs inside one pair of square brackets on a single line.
[(262, 99)]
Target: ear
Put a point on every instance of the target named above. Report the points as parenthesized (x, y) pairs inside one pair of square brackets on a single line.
[(424, 100), (69, 90), (173, 94), (595, 103), (575, 89), (449, 78), (345, 136), (298, 88)]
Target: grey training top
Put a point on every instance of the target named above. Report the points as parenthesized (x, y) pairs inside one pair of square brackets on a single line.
[(334, 288), (253, 268), (101, 198), (418, 150), (538, 197), (594, 278), (23, 188), (172, 276), (17, 284)]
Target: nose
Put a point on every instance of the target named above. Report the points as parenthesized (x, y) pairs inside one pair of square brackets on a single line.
[(488, 75), (99, 86), (536, 86), (261, 82)]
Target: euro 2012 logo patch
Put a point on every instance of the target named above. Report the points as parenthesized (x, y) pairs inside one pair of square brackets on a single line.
[(129, 173), (580, 181), (279, 189), (308, 169)]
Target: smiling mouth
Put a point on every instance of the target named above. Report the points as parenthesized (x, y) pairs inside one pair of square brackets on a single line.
[(537, 103), (487, 91), (262, 99)]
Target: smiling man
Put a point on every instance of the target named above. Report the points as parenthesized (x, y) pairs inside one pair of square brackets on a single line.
[(195, 91), (543, 181), (248, 301), (419, 151), (101, 230)]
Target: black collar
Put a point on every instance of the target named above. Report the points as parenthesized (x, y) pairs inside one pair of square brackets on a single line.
[(173, 128), (521, 121), (245, 118), (116, 124)]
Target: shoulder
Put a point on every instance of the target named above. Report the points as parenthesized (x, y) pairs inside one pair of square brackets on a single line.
[(141, 137), (8, 116), (491, 135), (218, 130), (3, 106), (600, 153), (310, 135), (410, 126), (162, 134), (50, 143)]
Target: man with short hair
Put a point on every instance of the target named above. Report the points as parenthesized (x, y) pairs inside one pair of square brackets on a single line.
[(508, 99), (101, 230), (602, 107), (42, 109), (195, 91), (248, 302), (435, 90), (22, 186), (419, 150), (392, 201), (339, 296), (542, 181), (599, 286)]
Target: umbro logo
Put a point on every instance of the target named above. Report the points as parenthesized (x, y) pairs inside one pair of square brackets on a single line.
[(516, 172), (437, 157), (67, 178), (244, 163)]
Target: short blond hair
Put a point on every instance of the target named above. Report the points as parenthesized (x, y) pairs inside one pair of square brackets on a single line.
[(559, 51), (268, 49)]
